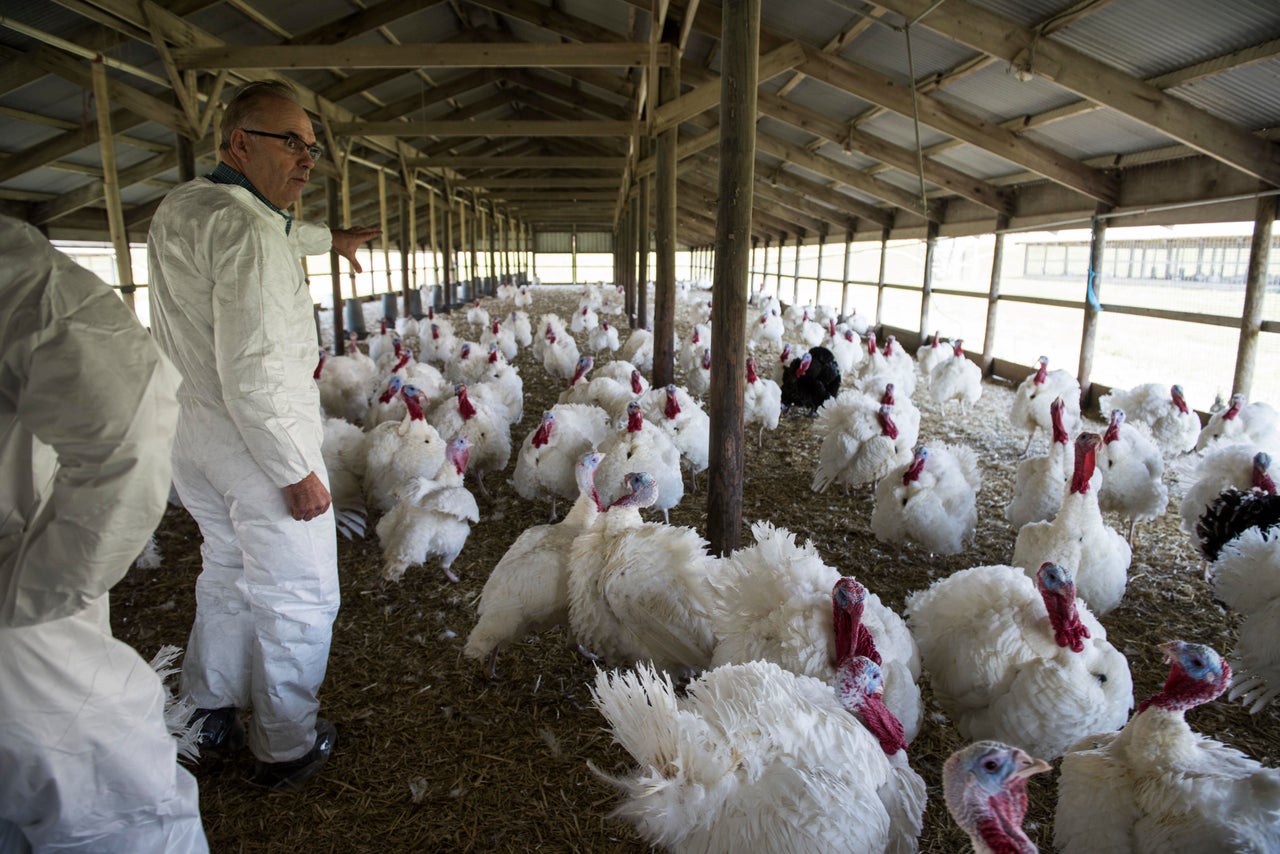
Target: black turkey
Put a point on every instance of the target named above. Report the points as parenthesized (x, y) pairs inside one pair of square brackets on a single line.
[(1231, 514), (811, 380)]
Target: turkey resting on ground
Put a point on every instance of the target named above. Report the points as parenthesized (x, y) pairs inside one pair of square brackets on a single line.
[(756, 759)]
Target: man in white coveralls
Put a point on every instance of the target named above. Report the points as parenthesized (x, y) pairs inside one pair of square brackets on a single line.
[(231, 307)]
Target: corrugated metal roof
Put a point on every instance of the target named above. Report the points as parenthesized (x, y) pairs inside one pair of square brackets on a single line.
[(995, 94), (816, 26), (1149, 37), (852, 159), (1248, 96), (828, 100), (978, 162), (900, 130), (1098, 132), (885, 50), (1028, 13)]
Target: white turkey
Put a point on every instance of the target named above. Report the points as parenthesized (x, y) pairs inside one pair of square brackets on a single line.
[(931, 354), (500, 383), (1174, 425), (698, 377), (486, 428), (1031, 400), (439, 344), (398, 451), (1246, 577), (584, 320), (1017, 660), (345, 384), (932, 501), (344, 460), (518, 323), (545, 465), (498, 334), (846, 347), (862, 440), (606, 391), (380, 341), (879, 369), (1256, 423), (432, 517), (676, 413), (523, 299), (638, 349), (1039, 482), (766, 331), (779, 601), (1158, 786), (956, 378), (689, 355), (477, 315), (640, 447), (753, 758), (761, 402), (604, 338), (638, 591), (560, 355), (528, 589), (985, 785), (1132, 474), (1077, 538)]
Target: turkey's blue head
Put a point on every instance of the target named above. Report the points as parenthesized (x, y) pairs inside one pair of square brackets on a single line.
[(851, 637), (413, 397), (585, 475), (918, 459), (543, 434), (1058, 591), (1179, 398), (635, 417), (392, 389), (1197, 675), (458, 452), (985, 785), (643, 490), (805, 362), (860, 686), (584, 364), (1260, 478)]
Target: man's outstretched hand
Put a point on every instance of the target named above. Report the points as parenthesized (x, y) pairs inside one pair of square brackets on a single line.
[(347, 240)]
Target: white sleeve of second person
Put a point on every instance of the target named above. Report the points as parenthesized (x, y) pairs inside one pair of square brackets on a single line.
[(254, 276), (311, 238)]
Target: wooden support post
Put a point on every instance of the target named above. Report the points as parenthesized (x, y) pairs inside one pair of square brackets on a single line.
[(1254, 296), (446, 257), (433, 243), (1092, 304), (740, 47), (993, 295), (664, 302), (573, 254), (782, 241), (406, 251), (764, 269), (926, 285), (884, 254), (641, 312), (637, 231), (382, 223), (334, 205), (795, 277), (817, 282), (473, 233), (186, 151), (411, 248), (844, 280), (111, 185)]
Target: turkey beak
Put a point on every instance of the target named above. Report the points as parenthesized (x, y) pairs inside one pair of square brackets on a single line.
[(1028, 766)]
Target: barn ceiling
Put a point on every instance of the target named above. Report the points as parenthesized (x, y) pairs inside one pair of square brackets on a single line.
[(873, 115)]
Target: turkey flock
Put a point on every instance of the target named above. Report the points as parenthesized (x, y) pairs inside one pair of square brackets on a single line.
[(768, 700)]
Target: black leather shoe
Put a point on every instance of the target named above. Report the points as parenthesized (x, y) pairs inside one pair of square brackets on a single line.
[(221, 730), (293, 775)]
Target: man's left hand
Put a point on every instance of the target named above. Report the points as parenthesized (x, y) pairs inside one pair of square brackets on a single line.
[(347, 240)]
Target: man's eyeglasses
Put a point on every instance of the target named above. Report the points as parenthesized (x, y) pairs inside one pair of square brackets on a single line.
[(293, 142)]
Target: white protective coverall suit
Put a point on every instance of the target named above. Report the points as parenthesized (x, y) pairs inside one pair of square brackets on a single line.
[(230, 305), (87, 414)]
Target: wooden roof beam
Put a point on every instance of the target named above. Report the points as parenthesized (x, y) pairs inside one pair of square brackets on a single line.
[(1006, 39), (430, 55)]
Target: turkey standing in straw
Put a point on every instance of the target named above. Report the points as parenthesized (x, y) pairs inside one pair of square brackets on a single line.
[(1031, 400), (985, 785), (1019, 661), (1039, 481), (1132, 471), (1077, 538), (641, 447), (1157, 786), (756, 759), (956, 378), (761, 402), (545, 466), (431, 516)]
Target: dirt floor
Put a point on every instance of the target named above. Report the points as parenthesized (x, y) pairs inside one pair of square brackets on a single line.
[(432, 756)]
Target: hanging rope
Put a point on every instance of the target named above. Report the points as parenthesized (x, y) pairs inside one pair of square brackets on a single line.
[(915, 121)]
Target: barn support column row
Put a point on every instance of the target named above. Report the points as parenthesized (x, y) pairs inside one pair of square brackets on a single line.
[(884, 253), (640, 313), (1092, 302), (993, 295)]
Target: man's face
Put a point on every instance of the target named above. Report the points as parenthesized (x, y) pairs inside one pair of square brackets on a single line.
[(278, 173)]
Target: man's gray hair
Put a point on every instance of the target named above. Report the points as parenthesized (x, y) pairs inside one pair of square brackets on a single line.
[(247, 100)]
